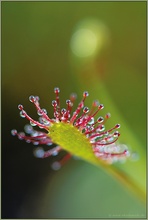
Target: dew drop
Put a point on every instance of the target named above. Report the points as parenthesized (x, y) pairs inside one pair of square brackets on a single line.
[(54, 153), (127, 153), (21, 134), (34, 134), (106, 133), (116, 134), (100, 119), (54, 103), (56, 165), (56, 90), (99, 154), (49, 144), (22, 114), (68, 102), (117, 126), (108, 149), (91, 121), (20, 107), (85, 94), (35, 143), (32, 124), (56, 114), (63, 111), (85, 110), (101, 128), (41, 120), (28, 129), (14, 132), (73, 96), (108, 115), (40, 112), (95, 103), (37, 98), (110, 139), (39, 152), (44, 111), (45, 122), (32, 98), (101, 106), (28, 141), (103, 141)]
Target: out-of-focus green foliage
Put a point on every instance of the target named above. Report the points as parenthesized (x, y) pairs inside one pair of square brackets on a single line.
[(36, 57)]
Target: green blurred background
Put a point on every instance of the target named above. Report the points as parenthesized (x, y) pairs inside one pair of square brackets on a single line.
[(37, 56)]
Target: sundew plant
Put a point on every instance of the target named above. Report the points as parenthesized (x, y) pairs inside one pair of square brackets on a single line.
[(77, 132)]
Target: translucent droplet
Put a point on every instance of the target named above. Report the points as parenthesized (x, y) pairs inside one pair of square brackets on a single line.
[(63, 111), (55, 153), (122, 147), (34, 134), (54, 103), (37, 98), (117, 126), (35, 143), (20, 107), (101, 128), (108, 115), (99, 154), (44, 110), (41, 120), (56, 114), (103, 141), (107, 149), (14, 132), (28, 129), (106, 133), (22, 114), (28, 141), (56, 166), (100, 119), (73, 96), (39, 152), (127, 153), (21, 135), (32, 98), (101, 149), (32, 124), (68, 102), (95, 103), (101, 106), (85, 110), (85, 94), (45, 122), (49, 144), (116, 134), (91, 121), (95, 139), (110, 139), (56, 90), (40, 112)]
